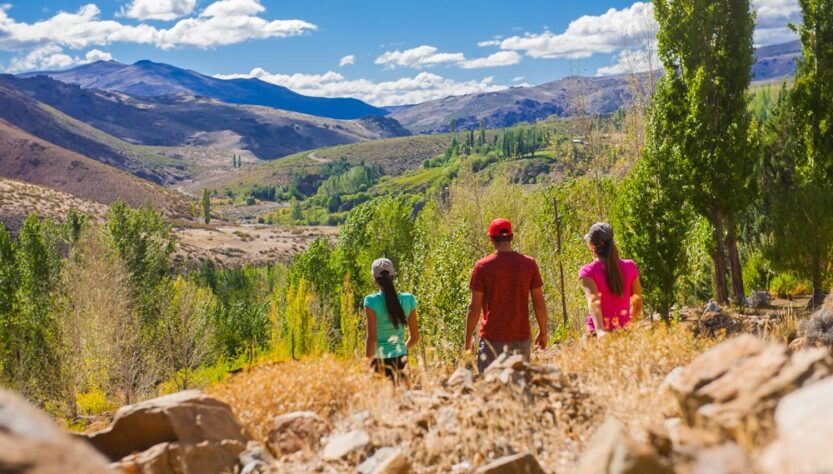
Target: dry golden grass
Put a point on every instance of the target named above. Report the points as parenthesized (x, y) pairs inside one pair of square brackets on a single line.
[(443, 429)]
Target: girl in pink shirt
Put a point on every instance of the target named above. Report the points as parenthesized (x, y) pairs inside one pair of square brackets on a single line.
[(610, 284)]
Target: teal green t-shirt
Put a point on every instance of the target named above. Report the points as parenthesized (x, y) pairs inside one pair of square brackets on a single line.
[(390, 341)]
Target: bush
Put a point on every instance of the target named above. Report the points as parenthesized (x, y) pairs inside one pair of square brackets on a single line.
[(787, 285)]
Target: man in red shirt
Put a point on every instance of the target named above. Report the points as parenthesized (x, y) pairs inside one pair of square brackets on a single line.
[(501, 285)]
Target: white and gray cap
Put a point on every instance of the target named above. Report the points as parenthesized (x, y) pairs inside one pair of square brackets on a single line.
[(600, 232), (381, 265)]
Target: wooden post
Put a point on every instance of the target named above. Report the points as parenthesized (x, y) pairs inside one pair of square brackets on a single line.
[(560, 262)]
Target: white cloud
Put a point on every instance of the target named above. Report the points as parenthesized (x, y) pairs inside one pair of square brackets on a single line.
[(494, 42), (233, 8), (589, 35), (501, 58), (633, 60), (94, 55), (421, 56), (518, 79), (52, 57), (407, 90), (165, 10), (223, 22), (427, 56), (629, 31), (347, 60)]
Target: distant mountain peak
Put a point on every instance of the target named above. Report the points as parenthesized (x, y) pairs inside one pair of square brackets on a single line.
[(147, 78)]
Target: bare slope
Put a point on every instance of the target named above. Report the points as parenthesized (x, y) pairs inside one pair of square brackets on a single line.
[(184, 120), (27, 158), (19, 199)]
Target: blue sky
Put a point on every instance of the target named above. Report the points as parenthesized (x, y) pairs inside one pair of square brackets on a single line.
[(385, 52)]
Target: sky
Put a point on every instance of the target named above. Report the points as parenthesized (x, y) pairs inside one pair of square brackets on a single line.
[(385, 52)]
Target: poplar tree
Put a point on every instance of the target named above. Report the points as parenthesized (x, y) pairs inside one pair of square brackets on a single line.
[(206, 206), (706, 49), (653, 216), (803, 234)]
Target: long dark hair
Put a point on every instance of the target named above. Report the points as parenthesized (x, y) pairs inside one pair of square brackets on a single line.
[(609, 254), (395, 312)]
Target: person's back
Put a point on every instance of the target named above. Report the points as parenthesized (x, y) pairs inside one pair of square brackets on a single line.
[(501, 285), (610, 283), (615, 309), (390, 340), (505, 279)]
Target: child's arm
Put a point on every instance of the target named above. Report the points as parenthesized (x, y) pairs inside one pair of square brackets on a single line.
[(594, 304), (370, 343)]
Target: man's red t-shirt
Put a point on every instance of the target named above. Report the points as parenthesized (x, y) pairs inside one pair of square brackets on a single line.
[(505, 279)]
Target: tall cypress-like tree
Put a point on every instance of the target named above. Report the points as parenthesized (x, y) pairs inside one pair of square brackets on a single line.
[(706, 49), (653, 217), (812, 104), (206, 206)]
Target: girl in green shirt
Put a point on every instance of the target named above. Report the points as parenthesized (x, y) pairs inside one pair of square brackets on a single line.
[(388, 312)]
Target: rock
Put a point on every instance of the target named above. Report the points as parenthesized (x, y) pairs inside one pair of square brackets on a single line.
[(396, 464), (31, 443), (386, 461), (673, 436), (296, 431), (728, 458), (612, 451), (670, 378), (521, 463), (187, 417), (735, 386), (759, 299), (255, 459), (798, 344), (206, 457), (341, 445), (461, 378), (804, 421), (712, 307)]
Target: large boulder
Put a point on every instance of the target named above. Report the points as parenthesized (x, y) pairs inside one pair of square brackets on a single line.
[(804, 421), (613, 451), (206, 457), (296, 431), (188, 417), (30, 443), (735, 386), (521, 463), (342, 445)]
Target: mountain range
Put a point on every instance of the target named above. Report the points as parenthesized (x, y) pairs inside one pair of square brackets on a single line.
[(150, 79), (594, 95)]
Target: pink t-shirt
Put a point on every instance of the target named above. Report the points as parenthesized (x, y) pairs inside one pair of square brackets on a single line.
[(616, 310)]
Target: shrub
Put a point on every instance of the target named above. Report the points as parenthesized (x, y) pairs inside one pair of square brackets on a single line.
[(787, 285)]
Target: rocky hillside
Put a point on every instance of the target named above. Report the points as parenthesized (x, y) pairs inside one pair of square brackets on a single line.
[(651, 400), (24, 157), (149, 79), (19, 199)]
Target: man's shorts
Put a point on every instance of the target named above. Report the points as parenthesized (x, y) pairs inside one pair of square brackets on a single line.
[(489, 351)]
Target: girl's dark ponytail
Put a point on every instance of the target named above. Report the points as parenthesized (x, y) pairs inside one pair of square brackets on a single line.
[(613, 274), (395, 312)]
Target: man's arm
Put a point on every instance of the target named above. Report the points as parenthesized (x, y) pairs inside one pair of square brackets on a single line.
[(473, 315), (541, 316)]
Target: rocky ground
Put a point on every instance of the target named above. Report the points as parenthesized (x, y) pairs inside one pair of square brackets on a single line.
[(651, 400)]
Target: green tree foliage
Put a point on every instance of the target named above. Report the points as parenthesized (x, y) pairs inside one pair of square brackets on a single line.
[(206, 206), (186, 330), (811, 191), (706, 49), (653, 216), (144, 242), (30, 329)]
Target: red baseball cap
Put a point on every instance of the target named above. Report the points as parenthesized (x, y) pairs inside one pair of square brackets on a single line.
[(500, 227)]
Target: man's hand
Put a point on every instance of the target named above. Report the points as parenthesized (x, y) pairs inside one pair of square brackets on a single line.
[(601, 333), (541, 341)]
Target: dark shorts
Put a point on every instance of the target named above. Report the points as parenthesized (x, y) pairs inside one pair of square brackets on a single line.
[(393, 367), (489, 351)]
